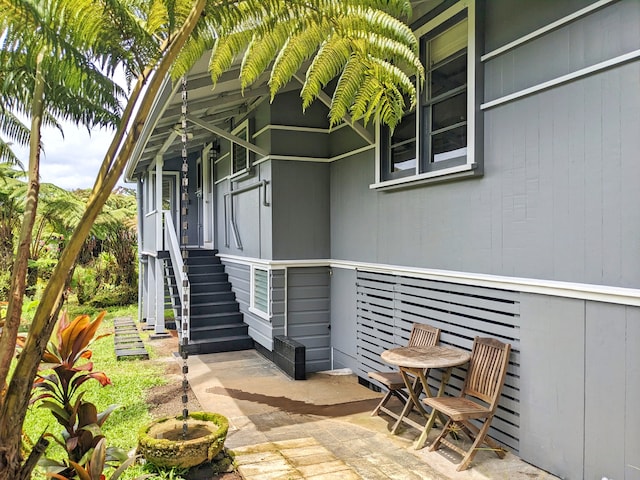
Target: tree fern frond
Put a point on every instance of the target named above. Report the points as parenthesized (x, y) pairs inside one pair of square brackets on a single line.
[(360, 19), (225, 51), (331, 58), (385, 49), (157, 16), (203, 39), (261, 52), (347, 88), (296, 50)]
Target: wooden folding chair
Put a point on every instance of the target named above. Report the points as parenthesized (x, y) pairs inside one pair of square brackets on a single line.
[(484, 381), (421, 334)]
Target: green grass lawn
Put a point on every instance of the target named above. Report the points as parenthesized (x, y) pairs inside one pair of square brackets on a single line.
[(130, 378)]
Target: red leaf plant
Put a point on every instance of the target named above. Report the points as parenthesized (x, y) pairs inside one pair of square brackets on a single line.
[(59, 392)]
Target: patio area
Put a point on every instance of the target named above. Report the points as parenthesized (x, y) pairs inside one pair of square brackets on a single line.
[(321, 428)]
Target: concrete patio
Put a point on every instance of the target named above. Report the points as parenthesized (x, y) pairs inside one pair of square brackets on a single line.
[(321, 428)]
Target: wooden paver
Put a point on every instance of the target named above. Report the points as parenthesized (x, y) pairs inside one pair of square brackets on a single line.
[(127, 341)]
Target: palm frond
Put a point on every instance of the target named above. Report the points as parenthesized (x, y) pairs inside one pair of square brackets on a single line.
[(12, 128)]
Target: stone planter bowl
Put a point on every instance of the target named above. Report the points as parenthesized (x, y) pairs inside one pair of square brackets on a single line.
[(161, 442)]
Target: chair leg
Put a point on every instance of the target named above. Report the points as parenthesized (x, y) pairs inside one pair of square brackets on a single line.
[(445, 431), (384, 400), (474, 447), (472, 431)]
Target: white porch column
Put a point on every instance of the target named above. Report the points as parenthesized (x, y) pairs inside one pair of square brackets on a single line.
[(148, 303), (142, 262), (152, 267), (159, 280)]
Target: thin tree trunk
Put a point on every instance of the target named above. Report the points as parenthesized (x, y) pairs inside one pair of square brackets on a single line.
[(10, 449), (13, 410)]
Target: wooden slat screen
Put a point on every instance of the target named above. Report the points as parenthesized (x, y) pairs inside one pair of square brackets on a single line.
[(387, 306)]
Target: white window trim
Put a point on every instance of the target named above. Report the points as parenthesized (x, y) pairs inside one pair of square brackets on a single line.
[(243, 125), (252, 305), (458, 171)]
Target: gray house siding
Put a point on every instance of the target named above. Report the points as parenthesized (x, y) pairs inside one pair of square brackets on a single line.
[(581, 391), (343, 319), (300, 193), (560, 172), (248, 212), (308, 318)]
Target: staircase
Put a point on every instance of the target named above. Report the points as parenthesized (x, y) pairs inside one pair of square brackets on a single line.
[(216, 322)]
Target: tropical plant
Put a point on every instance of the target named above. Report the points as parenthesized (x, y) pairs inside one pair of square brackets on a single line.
[(67, 358), (364, 44), (62, 41)]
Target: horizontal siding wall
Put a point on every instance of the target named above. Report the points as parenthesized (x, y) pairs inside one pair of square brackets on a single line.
[(308, 316), (388, 305)]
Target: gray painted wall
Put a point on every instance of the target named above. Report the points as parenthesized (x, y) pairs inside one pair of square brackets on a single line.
[(560, 174), (581, 387), (300, 192), (343, 318)]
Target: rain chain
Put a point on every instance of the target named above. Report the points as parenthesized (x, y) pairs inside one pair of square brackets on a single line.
[(184, 210)]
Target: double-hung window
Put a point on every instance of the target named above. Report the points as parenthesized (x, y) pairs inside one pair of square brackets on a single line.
[(436, 140)]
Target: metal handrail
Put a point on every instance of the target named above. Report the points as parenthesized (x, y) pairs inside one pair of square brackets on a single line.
[(179, 271)]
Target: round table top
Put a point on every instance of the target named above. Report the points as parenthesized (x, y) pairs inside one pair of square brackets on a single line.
[(435, 356)]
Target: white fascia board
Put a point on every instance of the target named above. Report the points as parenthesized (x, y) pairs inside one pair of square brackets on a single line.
[(160, 104), (583, 291)]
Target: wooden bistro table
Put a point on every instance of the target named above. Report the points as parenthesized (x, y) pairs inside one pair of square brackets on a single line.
[(413, 362)]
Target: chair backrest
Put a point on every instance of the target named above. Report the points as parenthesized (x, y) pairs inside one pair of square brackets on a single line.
[(423, 335), (487, 370)]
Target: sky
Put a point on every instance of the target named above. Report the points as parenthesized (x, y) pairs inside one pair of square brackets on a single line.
[(73, 161)]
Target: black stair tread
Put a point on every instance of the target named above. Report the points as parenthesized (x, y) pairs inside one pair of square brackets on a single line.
[(203, 295), (221, 326), (216, 315), (193, 341), (215, 303)]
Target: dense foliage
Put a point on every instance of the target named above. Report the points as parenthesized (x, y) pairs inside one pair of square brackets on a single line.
[(105, 272)]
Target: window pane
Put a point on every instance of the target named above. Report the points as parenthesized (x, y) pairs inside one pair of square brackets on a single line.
[(449, 112), (449, 75), (449, 145), (448, 42), (403, 145)]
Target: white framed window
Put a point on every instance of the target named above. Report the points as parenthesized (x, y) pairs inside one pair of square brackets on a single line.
[(240, 155), (436, 141), (260, 292)]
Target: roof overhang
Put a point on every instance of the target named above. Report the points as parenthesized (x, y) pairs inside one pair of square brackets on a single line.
[(213, 108)]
